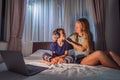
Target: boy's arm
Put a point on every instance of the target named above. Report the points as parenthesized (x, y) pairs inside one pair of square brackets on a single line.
[(64, 55)]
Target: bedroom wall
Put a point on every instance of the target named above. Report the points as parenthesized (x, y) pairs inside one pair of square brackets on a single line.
[(112, 25)]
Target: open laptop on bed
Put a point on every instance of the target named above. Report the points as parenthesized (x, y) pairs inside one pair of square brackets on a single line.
[(15, 63)]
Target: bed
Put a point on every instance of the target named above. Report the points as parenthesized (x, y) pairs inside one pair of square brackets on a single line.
[(68, 71), (64, 71)]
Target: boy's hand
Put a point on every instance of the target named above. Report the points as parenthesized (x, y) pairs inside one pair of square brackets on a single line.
[(55, 60), (61, 60)]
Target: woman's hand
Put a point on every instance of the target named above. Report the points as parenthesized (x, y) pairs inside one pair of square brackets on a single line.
[(77, 46)]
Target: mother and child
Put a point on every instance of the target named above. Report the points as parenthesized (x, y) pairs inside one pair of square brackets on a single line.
[(81, 41)]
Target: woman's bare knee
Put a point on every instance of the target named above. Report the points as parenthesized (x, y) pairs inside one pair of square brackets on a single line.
[(98, 53), (90, 63), (92, 59)]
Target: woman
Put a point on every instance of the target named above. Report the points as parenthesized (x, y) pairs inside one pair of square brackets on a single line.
[(59, 49), (82, 43)]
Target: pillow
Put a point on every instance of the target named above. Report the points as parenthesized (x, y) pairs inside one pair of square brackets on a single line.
[(37, 55), (41, 51)]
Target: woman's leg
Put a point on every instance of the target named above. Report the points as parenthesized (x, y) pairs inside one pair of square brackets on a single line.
[(115, 57), (99, 57)]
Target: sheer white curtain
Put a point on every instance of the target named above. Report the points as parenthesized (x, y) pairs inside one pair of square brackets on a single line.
[(43, 16), (75, 9)]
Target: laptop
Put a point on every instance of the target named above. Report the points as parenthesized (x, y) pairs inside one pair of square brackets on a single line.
[(14, 62)]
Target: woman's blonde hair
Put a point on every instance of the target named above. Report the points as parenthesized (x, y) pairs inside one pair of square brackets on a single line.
[(86, 32)]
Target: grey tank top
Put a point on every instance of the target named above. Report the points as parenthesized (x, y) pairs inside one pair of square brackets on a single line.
[(80, 41)]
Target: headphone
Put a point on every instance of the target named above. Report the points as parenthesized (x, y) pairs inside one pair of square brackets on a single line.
[(56, 32)]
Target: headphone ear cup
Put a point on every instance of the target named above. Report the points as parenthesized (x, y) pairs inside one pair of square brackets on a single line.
[(56, 33)]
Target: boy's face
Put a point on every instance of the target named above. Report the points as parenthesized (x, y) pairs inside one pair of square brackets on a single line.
[(62, 35)]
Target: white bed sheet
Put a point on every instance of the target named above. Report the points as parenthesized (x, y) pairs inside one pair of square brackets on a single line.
[(61, 71), (70, 71)]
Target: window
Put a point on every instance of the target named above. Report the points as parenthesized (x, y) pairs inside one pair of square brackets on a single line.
[(2, 20)]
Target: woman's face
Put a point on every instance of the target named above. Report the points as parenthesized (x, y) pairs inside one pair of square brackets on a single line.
[(78, 27)]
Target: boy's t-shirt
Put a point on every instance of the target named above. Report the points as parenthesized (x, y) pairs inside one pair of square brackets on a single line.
[(59, 50)]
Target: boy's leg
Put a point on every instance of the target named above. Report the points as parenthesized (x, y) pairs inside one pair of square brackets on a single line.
[(47, 57), (69, 59)]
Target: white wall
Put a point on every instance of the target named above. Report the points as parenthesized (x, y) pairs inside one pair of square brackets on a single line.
[(112, 25), (3, 46)]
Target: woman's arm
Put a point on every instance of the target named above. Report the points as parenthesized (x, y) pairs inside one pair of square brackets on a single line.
[(77, 46)]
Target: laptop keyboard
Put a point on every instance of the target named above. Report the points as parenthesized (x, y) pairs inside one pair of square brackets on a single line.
[(32, 68)]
